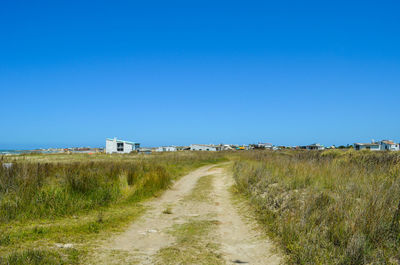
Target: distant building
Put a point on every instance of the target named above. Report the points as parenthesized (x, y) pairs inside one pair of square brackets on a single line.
[(182, 148), (384, 145), (265, 145), (146, 151), (315, 146), (204, 147), (227, 147), (261, 146), (120, 146), (389, 145), (367, 146), (166, 149)]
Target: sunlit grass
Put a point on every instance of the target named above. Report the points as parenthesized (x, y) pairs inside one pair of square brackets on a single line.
[(49, 199), (193, 245), (329, 207), (202, 190)]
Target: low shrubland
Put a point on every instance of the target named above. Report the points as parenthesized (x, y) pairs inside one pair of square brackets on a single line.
[(330, 207)]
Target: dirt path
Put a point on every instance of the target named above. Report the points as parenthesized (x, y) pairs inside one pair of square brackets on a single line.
[(191, 223), (241, 242)]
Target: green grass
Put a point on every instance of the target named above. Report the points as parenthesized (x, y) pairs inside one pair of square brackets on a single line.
[(202, 190), (331, 207), (32, 189), (40, 256), (83, 231), (168, 210), (193, 245), (78, 199)]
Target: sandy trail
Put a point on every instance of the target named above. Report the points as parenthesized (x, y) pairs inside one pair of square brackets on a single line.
[(239, 241)]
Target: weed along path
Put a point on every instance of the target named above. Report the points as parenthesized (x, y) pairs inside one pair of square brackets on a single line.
[(195, 222)]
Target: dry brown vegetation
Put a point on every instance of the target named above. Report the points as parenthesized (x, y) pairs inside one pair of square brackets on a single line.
[(331, 207)]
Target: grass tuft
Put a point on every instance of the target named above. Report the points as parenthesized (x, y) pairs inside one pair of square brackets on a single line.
[(202, 190), (192, 245), (40, 257), (168, 210)]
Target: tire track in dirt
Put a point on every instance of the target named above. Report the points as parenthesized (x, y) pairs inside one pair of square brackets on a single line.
[(147, 235), (241, 241), (238, 241)]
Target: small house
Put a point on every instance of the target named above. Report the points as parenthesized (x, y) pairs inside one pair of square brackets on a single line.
[(166, 149), (315, 146), (384, 145), (204, 147), (265, 145), (389, 145), (367, 146), (120, 146), (143, 150), (226, 147)]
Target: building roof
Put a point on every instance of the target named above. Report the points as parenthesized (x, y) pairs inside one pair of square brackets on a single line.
[(388, 142), (205, 145), (367, 144)]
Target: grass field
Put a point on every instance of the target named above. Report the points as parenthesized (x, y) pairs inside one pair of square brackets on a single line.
[(50, 200), (331, 207)]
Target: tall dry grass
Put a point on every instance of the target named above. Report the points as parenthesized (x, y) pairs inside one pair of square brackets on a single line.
[(33, 189), (331, 207)]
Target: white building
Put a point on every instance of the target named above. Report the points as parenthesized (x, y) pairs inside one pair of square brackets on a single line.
[(367, 146), (389, 145), (166, 149), (120, 146), (144, 150), (265, 145), (313, 147), (204, 147), (384, 145), (227, 147)]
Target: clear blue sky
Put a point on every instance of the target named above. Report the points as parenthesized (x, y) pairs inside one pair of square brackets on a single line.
[(178, 72)]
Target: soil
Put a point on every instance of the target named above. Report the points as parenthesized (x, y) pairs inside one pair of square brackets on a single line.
[(237, 235)]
